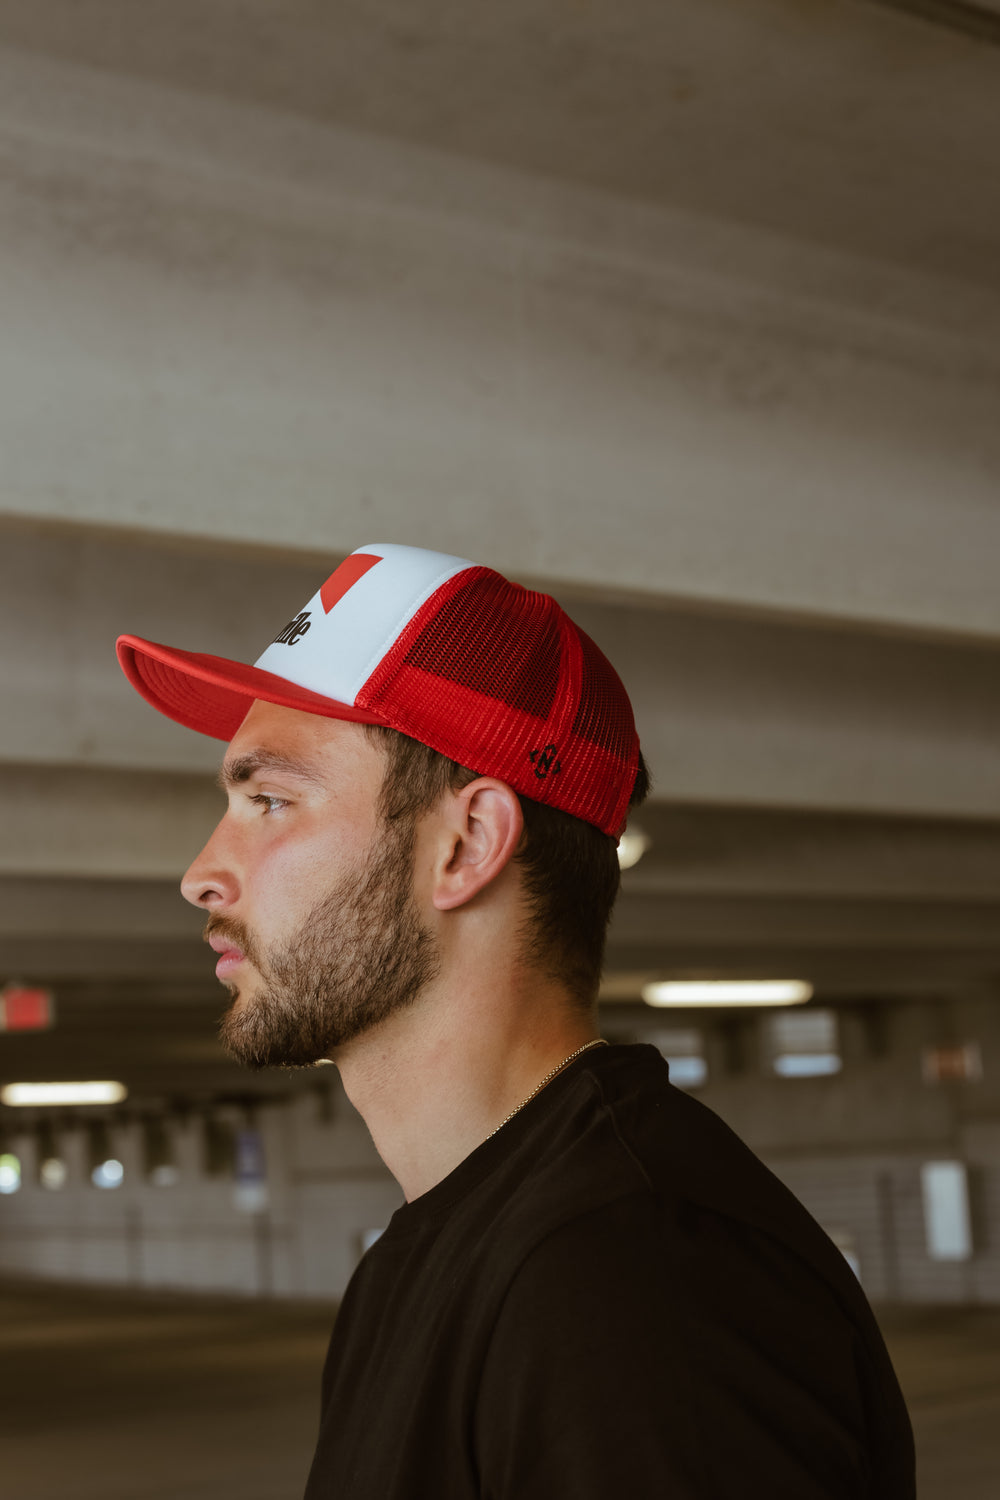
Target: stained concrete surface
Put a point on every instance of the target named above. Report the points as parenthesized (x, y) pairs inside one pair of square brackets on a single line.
[(110, 1395), (116, 1395)]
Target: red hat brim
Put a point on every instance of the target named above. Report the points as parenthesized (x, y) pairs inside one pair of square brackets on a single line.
[(212, 694)]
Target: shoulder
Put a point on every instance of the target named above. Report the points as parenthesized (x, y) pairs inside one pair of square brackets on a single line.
[(672, 1290), (652, 1348)]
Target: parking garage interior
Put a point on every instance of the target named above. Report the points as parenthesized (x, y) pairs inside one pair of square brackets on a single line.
[(687, 315)]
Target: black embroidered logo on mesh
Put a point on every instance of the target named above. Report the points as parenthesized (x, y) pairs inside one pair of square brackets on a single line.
[(544, 761)]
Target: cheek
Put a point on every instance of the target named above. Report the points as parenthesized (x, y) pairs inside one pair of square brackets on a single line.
[(291, 874), (278, 888), (425, 869)]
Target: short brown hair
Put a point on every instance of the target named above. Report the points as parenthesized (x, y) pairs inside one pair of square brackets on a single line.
[(570, 868)]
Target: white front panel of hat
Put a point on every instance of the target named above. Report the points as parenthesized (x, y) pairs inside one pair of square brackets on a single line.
[(335, 652)]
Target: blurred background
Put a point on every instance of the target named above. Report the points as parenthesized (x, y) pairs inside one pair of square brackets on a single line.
[(685, 312)]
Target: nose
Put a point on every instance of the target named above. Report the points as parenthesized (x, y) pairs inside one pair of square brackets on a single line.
[(210, 881)]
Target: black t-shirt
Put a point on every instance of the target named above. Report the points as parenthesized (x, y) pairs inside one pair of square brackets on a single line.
[(611, 1297)]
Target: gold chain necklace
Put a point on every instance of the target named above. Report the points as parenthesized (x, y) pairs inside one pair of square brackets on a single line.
[(597, 1042)]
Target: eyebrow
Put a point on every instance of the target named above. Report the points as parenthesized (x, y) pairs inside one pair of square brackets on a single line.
[(241, 768)]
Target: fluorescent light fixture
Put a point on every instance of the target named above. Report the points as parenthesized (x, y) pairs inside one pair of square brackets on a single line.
[(727, 992), (631, 847), (104, 1092)]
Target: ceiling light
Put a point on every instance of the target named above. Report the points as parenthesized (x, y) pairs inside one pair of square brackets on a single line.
[(632, 846), (727, 992), (108, 1174), (105, 1092), (52, 1173), (10, 1173)]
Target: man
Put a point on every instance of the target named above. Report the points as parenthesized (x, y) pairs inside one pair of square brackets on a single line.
[(593, 1288)]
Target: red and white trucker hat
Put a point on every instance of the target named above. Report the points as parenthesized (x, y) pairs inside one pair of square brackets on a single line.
[(488, 673)]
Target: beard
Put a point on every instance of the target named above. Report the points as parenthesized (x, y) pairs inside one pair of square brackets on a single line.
[(360, 956)]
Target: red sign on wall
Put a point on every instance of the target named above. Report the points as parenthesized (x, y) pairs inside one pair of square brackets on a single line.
[(26, 1008)]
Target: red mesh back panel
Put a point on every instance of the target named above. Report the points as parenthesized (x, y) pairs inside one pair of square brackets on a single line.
[(475, 639), (499, 679), (603, 715)]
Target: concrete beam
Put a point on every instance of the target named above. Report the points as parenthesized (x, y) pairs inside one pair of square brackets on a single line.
[(224, 324), (130, 915), (733, 851), (806, 922), (91, 823), (730, 711), (85, 823)]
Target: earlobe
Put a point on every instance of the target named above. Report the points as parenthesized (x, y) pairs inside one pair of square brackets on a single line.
[(484, 828)]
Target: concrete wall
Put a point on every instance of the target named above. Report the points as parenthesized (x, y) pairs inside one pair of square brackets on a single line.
[(325, 1188), (850, 1146)]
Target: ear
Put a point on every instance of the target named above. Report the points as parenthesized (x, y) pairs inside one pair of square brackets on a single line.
[(481, 828)]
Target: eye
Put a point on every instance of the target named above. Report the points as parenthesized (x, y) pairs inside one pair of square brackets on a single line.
[(268, 804)]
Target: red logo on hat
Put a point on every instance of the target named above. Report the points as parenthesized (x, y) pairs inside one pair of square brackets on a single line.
[(346, 576)]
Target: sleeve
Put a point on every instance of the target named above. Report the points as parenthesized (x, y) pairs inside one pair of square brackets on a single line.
[(643, 1353)]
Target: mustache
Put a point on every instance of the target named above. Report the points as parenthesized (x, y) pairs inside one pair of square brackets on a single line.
[(235, 932)]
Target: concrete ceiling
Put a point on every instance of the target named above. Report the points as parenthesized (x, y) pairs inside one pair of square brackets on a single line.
[(863, 127)]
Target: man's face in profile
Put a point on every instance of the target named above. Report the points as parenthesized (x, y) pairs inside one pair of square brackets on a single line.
[(309, 892)]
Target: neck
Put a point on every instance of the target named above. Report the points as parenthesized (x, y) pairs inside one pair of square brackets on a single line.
[(439, 1078)]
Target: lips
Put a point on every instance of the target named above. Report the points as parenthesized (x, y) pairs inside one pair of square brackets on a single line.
[(230, 957)]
